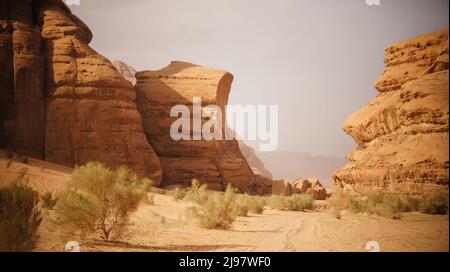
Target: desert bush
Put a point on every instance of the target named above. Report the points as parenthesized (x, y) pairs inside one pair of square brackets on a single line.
[(178, 194), (242, 204), (197, 193), (256, 205), (213, 210), (435, 203), (19, 216), (296, 202), (100, 200), (47, 201)]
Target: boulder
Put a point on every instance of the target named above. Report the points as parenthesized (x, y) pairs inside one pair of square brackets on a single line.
[(310, 186)]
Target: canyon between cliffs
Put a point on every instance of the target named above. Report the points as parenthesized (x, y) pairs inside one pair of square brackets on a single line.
[(62, 105)]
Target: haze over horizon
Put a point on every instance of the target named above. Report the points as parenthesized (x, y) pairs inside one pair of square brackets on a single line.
[(317, 60)]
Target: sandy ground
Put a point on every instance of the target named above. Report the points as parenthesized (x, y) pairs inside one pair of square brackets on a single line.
[(162, 226)]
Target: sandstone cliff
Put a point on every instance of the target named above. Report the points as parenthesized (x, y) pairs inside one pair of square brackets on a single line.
[(402, 134), (61, 100), (214, 162)]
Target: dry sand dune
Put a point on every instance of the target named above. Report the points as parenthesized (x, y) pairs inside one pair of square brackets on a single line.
[(162, 226)]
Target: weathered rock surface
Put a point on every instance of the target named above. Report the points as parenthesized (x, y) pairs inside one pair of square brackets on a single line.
[(214, 162), (67, 103), (281, 187), (311, 186), (402, 134)]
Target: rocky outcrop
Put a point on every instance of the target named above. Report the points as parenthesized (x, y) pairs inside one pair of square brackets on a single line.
[(402, 134), (281, 187), (67, 104), (311, 186), (214, 162), (22, 79), (126, 71)]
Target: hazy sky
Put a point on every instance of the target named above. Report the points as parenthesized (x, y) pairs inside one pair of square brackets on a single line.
[(316, 59)]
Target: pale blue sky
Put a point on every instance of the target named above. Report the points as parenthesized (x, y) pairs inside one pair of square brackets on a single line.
[(316, 59)]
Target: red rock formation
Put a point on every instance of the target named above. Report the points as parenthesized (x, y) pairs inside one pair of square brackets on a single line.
[(215, 162), (22, 80), (403, 132), (66, 92)]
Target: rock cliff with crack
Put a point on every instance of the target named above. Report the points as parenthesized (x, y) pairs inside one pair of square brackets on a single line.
[(61, 100)]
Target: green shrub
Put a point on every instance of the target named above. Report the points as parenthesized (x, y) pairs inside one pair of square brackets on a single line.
[(242, 204), (19, 217), (435, 203), (100, 200), (296, 202), (213, 210), (256, 205), (48, 202), (391, 205), (197, 193)]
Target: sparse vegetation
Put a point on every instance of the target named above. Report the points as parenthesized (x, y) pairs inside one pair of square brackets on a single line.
[(100, 200), (389, 205), (19, 216), (296, 202), (48, 201), (214, 210), (435, 203)]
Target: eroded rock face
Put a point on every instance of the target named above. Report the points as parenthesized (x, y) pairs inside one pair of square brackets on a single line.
[(214, 162), (402, 134), (311, 186), (68, 104), (281, 187), (22, 79)]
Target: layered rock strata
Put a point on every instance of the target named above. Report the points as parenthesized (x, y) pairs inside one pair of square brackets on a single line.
[(61, 100), (402, 134), (214, 162)]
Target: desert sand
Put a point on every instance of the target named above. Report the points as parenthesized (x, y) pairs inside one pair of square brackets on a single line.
[(161, 226)]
